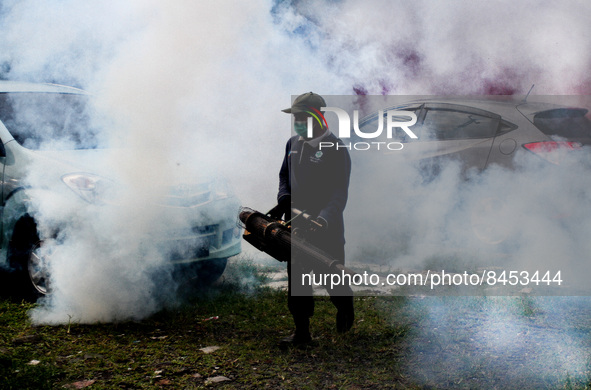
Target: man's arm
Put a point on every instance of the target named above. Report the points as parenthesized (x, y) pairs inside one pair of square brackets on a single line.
[(284, 179)]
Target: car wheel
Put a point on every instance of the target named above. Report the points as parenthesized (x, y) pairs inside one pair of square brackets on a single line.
[(38, 269), (30, 267), (208, 271), (200, 273), (198, 276)]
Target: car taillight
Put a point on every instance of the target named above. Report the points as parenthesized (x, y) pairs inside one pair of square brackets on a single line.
[(552, 151)]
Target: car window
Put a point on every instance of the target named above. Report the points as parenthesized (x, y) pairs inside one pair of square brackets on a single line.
[(48, 121), (505, 127), (449, 124), (567, 123)]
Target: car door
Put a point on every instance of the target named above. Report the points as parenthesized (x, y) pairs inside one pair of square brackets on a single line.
[(452, 131)]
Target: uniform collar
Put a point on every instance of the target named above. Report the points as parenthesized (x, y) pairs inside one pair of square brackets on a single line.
[(314, 142)]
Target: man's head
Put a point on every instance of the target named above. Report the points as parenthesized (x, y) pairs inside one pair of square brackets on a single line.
[(305, 102), (306, 106)]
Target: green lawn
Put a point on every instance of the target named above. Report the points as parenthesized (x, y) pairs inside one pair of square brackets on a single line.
[(397, 342)]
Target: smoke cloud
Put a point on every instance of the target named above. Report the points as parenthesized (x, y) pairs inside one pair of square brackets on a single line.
[(195, 89), (428, 47), (535, 217)]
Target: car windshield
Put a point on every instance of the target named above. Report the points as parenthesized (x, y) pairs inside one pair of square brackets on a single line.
[(48, 121), (569, 123)]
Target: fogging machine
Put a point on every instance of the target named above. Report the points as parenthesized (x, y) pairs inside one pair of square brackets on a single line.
[(275, 237)]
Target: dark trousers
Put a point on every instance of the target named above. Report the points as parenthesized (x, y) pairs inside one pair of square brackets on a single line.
[(300, 300)]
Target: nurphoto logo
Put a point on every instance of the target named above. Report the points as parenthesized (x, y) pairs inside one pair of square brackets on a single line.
[(394, 119)]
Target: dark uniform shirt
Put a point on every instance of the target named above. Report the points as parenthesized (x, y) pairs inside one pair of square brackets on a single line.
[(318, 180)]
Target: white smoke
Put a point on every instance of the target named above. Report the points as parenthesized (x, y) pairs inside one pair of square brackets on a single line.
[(168, 81), (200, 85), (434, 47), (531, 218)]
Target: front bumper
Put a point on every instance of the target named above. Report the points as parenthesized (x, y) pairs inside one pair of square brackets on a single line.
[(206, 242), (197, 230)]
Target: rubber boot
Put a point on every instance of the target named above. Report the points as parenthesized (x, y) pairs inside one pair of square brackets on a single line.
[(345, 313), (301, 336)]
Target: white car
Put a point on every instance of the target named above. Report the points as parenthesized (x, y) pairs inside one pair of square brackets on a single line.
[(39, 126)]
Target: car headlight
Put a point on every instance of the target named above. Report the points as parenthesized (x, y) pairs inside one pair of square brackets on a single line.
[(91, 188)]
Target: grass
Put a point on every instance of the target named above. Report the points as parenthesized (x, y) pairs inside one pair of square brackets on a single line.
[(397, 342), (164, 350)]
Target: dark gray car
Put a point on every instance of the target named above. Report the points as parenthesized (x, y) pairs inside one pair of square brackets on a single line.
[(480, 132)]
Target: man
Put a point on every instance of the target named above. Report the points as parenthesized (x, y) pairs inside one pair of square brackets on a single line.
[(314, 180)]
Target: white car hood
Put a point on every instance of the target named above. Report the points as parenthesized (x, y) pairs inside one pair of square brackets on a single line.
[(115, 164), (90, 161)]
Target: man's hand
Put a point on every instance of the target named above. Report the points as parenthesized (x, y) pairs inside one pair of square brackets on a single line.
[(318, 224), (282, 208), (311, 226)]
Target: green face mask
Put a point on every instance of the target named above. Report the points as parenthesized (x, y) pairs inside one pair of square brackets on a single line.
[(300, 128)]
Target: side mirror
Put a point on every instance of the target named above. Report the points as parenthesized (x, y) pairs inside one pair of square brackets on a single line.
[(2, 149)]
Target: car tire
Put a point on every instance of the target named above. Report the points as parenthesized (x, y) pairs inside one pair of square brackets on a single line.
[(37, 270), (200, 274), (30, 268), (209, 271)]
